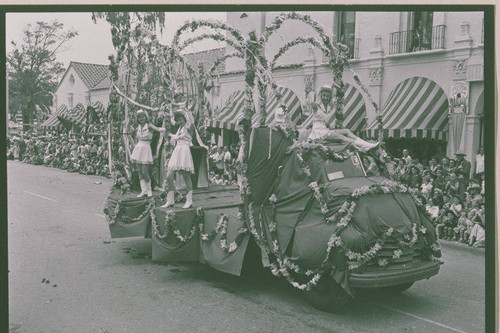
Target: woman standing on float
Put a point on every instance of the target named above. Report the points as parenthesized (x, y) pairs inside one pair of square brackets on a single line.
[(181, 160), (321, 113), (142, 154)]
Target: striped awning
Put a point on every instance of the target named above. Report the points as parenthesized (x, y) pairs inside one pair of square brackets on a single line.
[(98, 107), (416, 108), (354, 111), (232, 112), (53, 120), (77, 115)]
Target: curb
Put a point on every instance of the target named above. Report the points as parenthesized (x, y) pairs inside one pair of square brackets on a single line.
[(461, 247)]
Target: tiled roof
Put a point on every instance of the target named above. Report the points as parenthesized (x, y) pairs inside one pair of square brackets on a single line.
[(104, 84), (91, 74), (207, 59)]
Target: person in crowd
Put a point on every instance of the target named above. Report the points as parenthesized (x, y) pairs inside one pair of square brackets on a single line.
[(451, 187), (480, 162), (477, 234), (426, 186), (320, 131), (406, 156), (142, 154), (181, 160), (445, 163), (462, 227), (433, 167), (414, 179), (463, 166)]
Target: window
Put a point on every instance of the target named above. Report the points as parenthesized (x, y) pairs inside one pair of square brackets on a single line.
[(420, 24), (71, 79), (70, 100), (345, 29), (419, 35)]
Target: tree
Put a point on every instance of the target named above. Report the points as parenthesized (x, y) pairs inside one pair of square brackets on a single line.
[(33, 70)]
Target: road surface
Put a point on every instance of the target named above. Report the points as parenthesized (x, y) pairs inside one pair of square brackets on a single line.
[(58, 234)]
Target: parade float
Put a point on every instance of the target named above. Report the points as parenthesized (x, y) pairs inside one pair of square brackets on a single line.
[(320, 216)]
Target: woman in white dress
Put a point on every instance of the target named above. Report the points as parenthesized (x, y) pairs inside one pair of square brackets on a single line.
[(142, 154), (320, 131), (181, 160)]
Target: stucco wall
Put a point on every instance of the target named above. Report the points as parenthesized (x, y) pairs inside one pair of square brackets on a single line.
[(78, 89)]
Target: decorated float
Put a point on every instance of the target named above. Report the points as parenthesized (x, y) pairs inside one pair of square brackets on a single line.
[(324, 216)]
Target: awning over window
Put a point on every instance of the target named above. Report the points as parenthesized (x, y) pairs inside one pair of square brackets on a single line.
[(77, 115), (416, 108), (53, 121), (232, 112), (354, 111)]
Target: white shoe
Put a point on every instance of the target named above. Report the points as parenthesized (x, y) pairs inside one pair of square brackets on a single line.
[(149, 191), (364, 145), (143, 188), (170, 200), (189, 200)]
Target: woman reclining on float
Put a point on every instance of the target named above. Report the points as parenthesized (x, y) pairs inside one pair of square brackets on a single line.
[(319, 131)]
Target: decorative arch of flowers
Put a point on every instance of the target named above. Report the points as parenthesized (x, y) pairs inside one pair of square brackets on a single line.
[(256, 66)]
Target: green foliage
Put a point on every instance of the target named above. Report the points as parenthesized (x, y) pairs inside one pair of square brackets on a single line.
[(33, 71)]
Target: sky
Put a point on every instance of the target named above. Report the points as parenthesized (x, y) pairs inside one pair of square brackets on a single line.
[(93, 44)]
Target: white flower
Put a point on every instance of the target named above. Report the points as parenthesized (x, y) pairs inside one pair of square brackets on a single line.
[(313, 185), (232, 247), (383, 262), (273, 198), (397, 253), (309, 272), (272, 226), (423, 230), (223, 243), (204, 237)]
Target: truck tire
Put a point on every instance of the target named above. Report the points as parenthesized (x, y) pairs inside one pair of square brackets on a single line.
[(399, 288), (328, 295)]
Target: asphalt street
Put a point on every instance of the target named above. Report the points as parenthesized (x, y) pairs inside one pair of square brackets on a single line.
[(67, 275)]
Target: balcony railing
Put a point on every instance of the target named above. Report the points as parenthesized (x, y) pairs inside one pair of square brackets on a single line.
[(417, 40)]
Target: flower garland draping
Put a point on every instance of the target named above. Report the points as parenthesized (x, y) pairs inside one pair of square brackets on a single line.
[(112, 216), (221, 228), (283, 266), (372, 102), (169, 228)]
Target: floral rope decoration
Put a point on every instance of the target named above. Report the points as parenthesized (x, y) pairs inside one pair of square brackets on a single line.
[(194, 25), (295, 42), (380, 125), (112, 217), (221, 228), (169, 218)]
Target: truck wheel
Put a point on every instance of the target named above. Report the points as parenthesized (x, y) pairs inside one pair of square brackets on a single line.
[(328, 295), (399, 288)]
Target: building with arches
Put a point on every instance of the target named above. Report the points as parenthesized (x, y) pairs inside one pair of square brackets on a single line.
[(396, 54)]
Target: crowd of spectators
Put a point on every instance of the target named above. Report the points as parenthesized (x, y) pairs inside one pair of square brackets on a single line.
[(452, 193), (222, 165), (87, 155)]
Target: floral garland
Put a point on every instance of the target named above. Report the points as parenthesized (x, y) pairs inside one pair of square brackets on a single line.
[(169, 218), (216, 37), (149, 207), (372, 102), (295, 42), (221, 228), (194, 25), (223, 58), (112, 216)]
